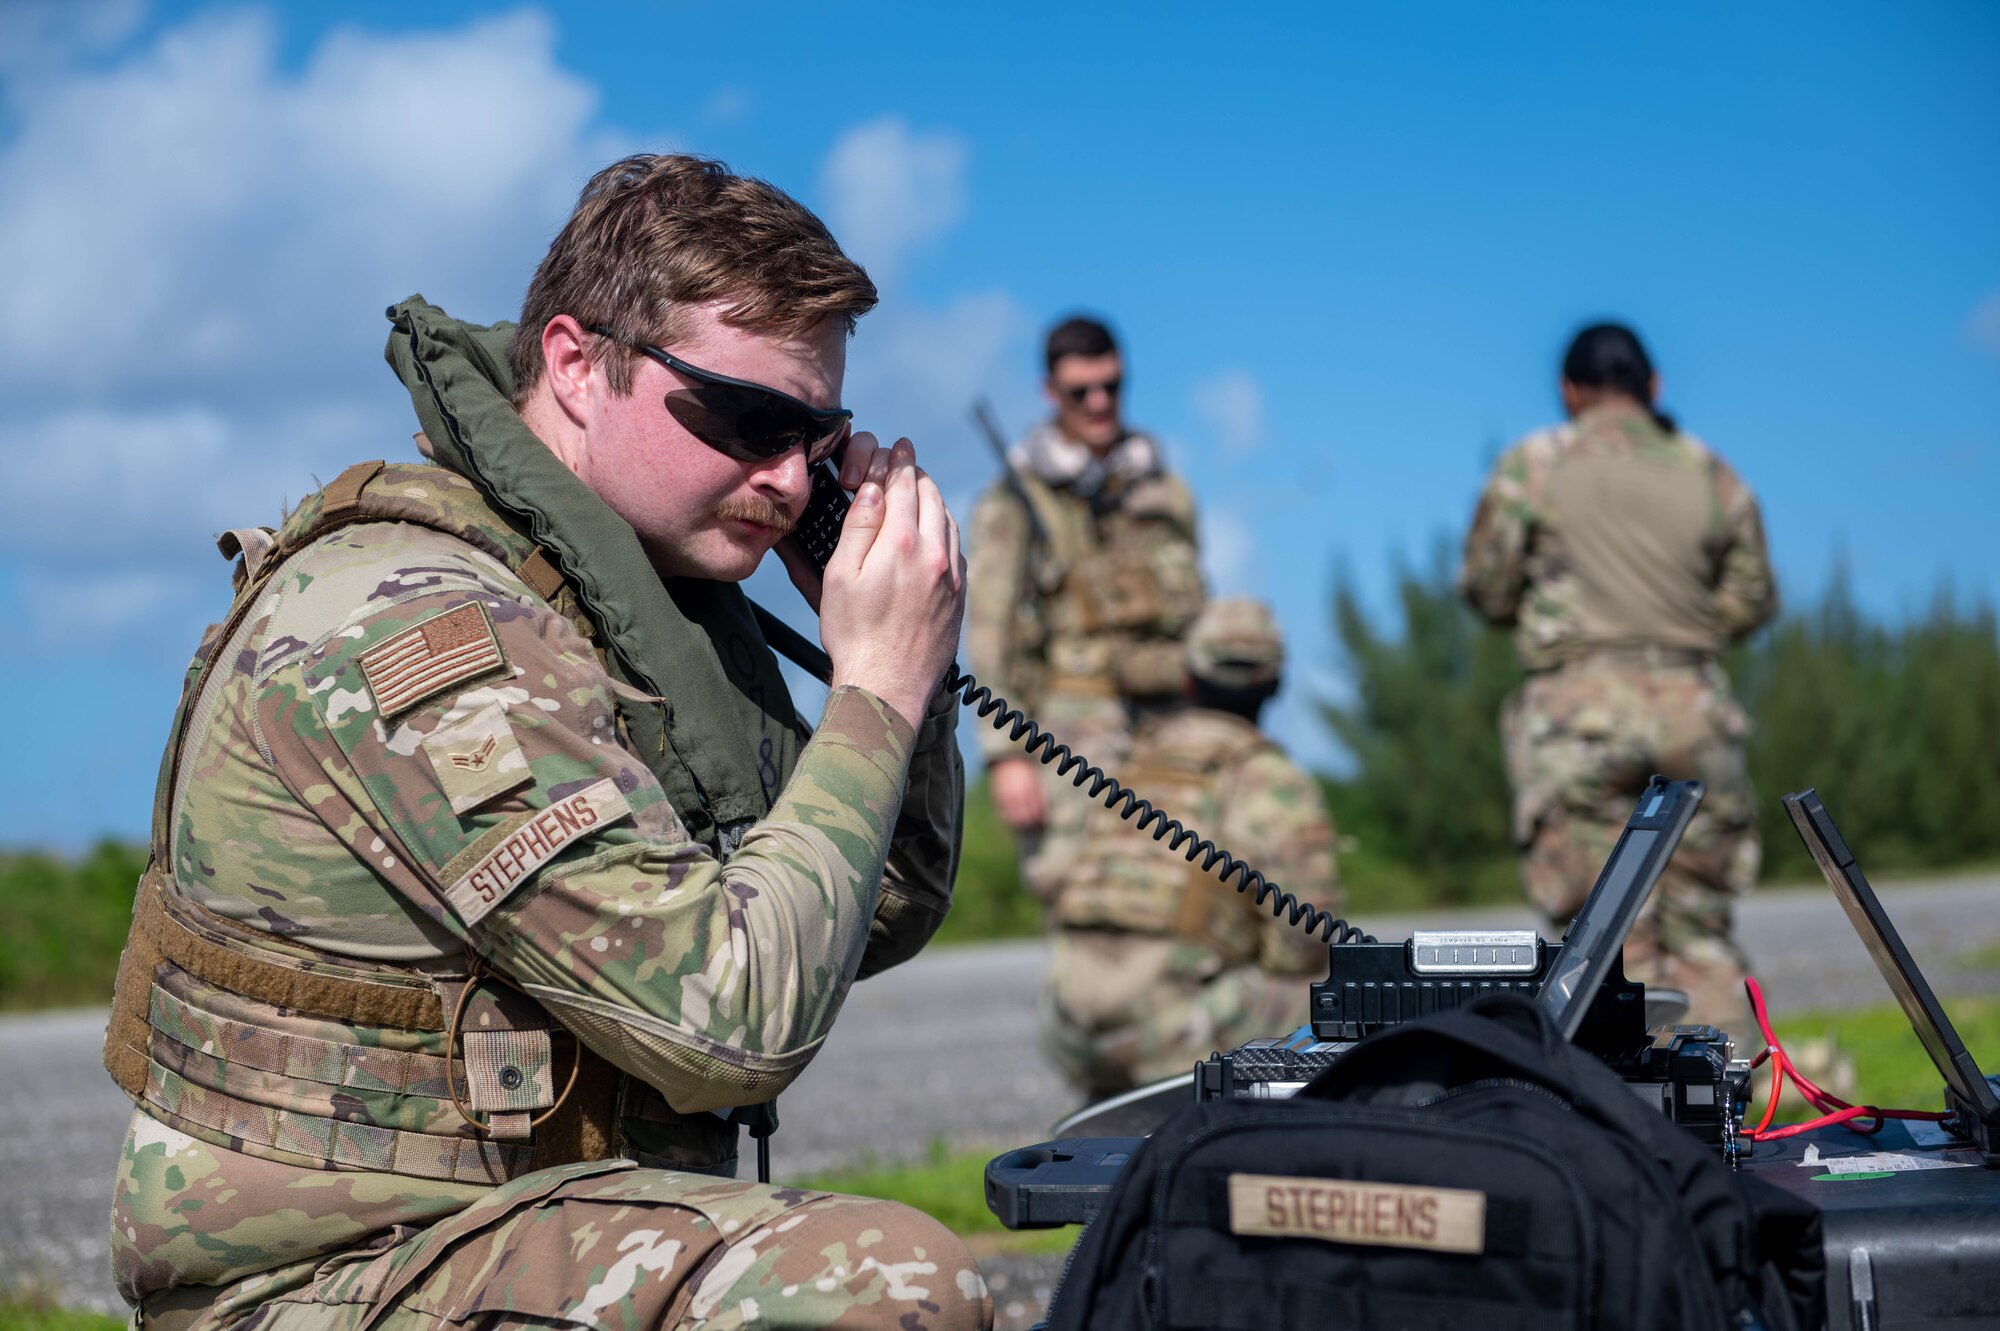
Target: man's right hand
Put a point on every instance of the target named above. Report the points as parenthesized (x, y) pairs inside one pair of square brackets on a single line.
[(1018, 794), (894, 592)]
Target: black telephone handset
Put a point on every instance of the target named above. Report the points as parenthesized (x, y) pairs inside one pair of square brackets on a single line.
[(818, 532), (818, 529)]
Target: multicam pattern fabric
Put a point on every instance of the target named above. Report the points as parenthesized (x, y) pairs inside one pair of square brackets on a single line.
[(1074, 629), (1625, 557), (605, 1245), (283, 1157), (1581, 743), (1156, 962), (1611, 532), (1100, 607)]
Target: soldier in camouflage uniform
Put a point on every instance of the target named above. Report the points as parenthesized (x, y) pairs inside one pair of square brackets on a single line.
[(493, 874), (1084, 575), (1625, 555), (1157, 962)]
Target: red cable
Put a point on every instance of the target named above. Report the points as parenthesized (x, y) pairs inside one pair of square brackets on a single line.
[(1833, 1108)]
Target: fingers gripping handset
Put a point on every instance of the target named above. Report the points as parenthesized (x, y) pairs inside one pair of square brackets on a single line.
[(816, 540), (891, 587)]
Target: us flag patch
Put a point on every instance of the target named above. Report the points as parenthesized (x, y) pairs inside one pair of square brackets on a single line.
[(426, 659)]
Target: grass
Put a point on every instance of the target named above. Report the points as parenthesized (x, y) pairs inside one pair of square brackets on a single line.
[(1891, 1068), (30, 1307), (950, 1187)]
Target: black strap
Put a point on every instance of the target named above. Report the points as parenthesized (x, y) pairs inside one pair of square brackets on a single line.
[(793, 645)]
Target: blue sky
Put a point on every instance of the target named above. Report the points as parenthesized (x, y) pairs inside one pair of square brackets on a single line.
[(1345, 245)]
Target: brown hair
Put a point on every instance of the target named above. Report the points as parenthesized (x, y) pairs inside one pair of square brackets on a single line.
[(1078, 335), (656, 233)]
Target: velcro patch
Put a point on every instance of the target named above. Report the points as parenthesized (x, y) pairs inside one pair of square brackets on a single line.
[(531, 841), (477, 757), (427, 658), (1351, 1211)]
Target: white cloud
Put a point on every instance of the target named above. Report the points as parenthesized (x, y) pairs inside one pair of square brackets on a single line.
[(199, 210), (1984, 324), (891, 190), (915, 370), (205, 235), (1229, 557), (70, 611), (1231, 403)]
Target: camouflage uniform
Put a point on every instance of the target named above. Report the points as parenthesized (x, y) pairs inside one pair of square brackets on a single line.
[(453, 952), (1079, 629), (1157, 962), (1625, 558)]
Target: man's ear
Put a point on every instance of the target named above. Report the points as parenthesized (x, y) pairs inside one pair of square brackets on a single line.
[(567, 366), (1049, 392), (1653, 390)]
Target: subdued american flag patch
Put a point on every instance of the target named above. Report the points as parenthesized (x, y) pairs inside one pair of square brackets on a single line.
[(426, 659)]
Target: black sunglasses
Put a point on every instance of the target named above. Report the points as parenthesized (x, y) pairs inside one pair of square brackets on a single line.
[(745, 421), (1078, 392)]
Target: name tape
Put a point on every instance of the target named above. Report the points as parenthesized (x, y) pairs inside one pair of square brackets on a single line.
[(1348, 1211), (535, 839)]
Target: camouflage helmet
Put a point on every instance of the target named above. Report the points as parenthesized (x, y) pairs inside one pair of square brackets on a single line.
[(1234, 642)]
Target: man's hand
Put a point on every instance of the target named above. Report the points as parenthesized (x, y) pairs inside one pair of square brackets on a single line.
[(1018, 794), (894, 592)]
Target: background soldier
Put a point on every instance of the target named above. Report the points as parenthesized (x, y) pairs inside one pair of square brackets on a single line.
[(1083, 626), (1157, 962), (492, 868), (1625, 556)]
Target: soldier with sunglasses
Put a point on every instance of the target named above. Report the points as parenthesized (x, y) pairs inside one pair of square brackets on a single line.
[(1077, 615), (495, 882)]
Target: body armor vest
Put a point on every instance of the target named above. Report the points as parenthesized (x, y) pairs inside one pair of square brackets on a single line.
[(444, 1072), (1125, 881), (1101, 598)]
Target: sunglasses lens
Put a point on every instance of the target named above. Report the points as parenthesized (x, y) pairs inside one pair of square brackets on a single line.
[(1080, 393), (751, 426)]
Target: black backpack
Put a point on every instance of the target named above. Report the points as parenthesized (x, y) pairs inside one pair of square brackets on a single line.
[(1472, 1170)]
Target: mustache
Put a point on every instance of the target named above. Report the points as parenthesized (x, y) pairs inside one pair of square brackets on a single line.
[(756, 509)]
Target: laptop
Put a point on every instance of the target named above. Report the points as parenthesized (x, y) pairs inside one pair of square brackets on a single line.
[(1595, 939), (1968, 1094)]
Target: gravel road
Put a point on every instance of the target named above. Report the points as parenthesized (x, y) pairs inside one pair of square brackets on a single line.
[(942, 1048)]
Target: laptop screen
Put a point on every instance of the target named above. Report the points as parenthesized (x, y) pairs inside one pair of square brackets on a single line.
[(1597, 935), (1864, 909)]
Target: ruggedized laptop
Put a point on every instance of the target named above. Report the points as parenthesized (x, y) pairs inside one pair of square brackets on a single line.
[(1969, 1094), (1596, 936)]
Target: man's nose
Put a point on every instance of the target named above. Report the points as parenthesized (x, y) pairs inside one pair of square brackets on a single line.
[(784, 478)]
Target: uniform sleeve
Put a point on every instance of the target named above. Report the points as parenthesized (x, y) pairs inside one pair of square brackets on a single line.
[(1493, 572), (1746, 591), (504, 805), (996, 587), (924, 847), (1277, 818)]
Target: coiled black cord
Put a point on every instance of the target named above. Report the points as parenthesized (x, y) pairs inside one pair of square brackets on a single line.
[(1130, 806), (1043, 747)]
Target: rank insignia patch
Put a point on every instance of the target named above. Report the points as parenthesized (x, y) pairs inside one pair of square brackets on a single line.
[(426, 659), (476, 757)]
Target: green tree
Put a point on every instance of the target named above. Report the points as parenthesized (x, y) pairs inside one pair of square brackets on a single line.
[(1898, 729), (1429, 787)]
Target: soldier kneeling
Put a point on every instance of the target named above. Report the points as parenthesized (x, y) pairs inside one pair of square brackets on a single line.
[(1157, 962)]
